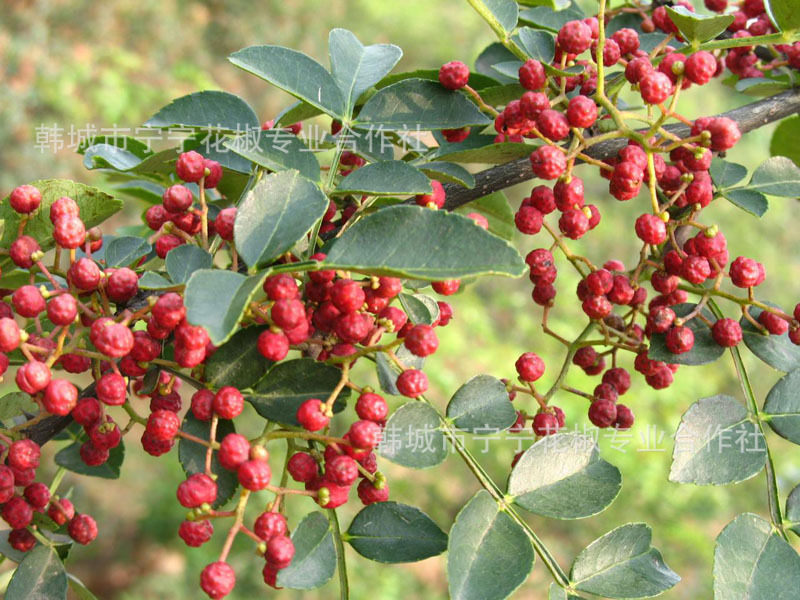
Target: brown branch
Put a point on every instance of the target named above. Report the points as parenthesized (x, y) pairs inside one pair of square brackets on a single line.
[(749, 117)]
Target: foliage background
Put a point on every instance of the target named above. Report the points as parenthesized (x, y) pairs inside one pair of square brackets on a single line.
[(105, 63)]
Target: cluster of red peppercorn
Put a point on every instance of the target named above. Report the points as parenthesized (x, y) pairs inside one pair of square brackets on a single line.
[(675, 172), (20, 507), (329, 316)]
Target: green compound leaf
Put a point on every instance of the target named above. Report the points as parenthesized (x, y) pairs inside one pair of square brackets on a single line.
[(288, 384), (237, 362), (716, 443), (314, 561), (389, 532), (213, 110), (40, 576), (416, 242), (412, 437), (622, 564), (777, 351), (783, 407), (277, 150), (356, 67), (481, 406), (14, 404), (123, 251), (448, 172), (386, 178), (793, 509), (777, 176), (562, 476), (294, 72), (421, 309), (698, 28), (784, 14), (497, 210), (277, 212), (183, 261), (192, 455), (70, 458), (500, 14), (418, 104), (784, 139), (489, 555), (544, 17), (217, 299), (705, 350), (725, 174), (748, 200), (538, 44), (752, 561)]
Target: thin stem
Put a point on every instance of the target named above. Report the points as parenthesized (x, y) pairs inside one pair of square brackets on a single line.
[(490, 486), (773, 495), (344, 585)]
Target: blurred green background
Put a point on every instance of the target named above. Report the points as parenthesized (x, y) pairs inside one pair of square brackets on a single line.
[(117, 63)]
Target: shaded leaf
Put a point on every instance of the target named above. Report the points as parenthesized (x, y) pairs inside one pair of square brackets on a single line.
[(563, 476), (752, 561), (210, 109), (278, 211), (294, 72), (192, 455), (153, 281), (543, 17), (698, 28), (386, 178), (183, 261), (124, 250), (290, 383), (748, 200), (784, 139), (725, 174), (14, 404), (414, 104), (716, 443), (491, 55), (447, 172), (389, 532), (498, 212), (277, 150), (314, 560), (622, 564), (216, 299), (40, 576), (412, 437), (421, 309), (783, 13), (793, 509), (356, 67), (777, 176), (489, 555), (237, 362), (538, 44), (776, 350), (481, 406), (399, 241), (559, 593), (782, 407)]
